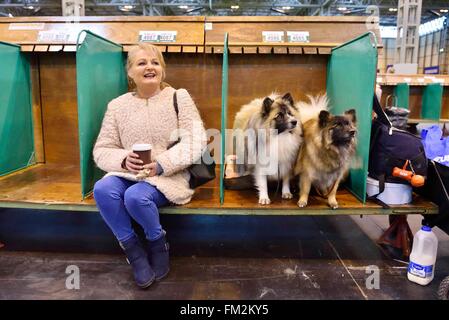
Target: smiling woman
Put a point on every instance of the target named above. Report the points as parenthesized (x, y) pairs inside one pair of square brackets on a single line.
[(146, 116), (146, 69)]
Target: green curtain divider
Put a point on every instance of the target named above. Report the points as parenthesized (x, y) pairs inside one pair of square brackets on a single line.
[(101, 77), (402, 92), (16, 117), (431, 101), (224, 108), (351, 77)]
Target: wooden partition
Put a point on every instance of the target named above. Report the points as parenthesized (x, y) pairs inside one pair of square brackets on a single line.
[(417, 84), (194, 62), (43, 34), (245, 34)]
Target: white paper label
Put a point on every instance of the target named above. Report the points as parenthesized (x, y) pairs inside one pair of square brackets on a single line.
[(298, 36), (26, 26), (53, 36), (157, 36), (273, 36), (208, 26), (437, 80)]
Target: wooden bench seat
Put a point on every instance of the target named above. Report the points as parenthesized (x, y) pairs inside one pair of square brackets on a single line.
[(57, 187)]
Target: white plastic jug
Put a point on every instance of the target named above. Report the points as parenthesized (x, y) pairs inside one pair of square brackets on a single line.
[(421, 268)]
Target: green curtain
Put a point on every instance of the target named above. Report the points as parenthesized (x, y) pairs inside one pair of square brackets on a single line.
[(16, 118), (351, 76), (101, 77), (402, 92), (224, 112), (431, 101)]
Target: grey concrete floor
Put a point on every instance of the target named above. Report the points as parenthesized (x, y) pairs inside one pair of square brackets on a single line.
[(305, 258)]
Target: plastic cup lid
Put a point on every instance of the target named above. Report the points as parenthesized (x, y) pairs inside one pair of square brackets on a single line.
[(141, 147)]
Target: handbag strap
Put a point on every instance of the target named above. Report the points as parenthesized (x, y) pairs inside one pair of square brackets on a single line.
[(374, 136), (175, 104), (395, 100), (381, 115), (440, 180), (374, 198)]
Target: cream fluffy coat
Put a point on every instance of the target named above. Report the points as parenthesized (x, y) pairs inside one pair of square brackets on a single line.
[(129, 120)]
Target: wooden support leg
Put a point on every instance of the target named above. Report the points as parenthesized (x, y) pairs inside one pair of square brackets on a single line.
[(398, 235)]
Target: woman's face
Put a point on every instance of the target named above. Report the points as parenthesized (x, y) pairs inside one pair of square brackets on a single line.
[(146, 69)]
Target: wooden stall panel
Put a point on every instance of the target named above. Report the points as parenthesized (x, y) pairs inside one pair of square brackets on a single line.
[(37, 110), (412, 79), (59, 108), (253, 77), (201, 76), (122, 30), (417, 85), (445, 106), (415, 99), (322, 29)]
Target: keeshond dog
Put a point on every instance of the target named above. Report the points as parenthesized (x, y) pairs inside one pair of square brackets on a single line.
[(272, 136), (325, 155)]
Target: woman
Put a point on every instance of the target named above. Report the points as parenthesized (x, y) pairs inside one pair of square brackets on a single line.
[(146, 115)]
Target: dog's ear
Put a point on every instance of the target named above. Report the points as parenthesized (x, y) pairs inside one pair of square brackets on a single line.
[(267, 103), (324, 118), (289, 98), (351, 115)]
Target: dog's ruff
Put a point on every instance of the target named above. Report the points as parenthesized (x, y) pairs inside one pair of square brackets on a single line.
[(325, 156), (263, 114)]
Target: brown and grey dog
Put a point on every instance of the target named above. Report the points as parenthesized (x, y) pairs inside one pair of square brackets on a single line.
[(271, 152), (325, 155)]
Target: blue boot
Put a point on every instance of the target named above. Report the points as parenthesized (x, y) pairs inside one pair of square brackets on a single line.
[(158, 256), (137, 258)]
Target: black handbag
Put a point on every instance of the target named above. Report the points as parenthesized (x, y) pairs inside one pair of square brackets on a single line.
[(200, 173), (391, 147)]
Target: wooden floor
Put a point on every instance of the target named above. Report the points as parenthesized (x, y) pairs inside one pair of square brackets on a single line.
[(58, 187)]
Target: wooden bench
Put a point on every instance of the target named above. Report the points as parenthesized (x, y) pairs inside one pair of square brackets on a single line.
[(57, 188)]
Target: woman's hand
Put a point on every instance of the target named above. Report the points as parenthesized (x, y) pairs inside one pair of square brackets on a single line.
[(151, 169), (133, 163)]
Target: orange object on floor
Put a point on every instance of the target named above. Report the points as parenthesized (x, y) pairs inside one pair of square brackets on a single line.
[(398, 235)]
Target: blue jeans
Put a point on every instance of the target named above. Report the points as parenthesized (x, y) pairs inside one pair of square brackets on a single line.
[(119, 200)]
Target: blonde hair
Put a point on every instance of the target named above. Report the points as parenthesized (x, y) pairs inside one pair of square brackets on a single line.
[(151, 49)]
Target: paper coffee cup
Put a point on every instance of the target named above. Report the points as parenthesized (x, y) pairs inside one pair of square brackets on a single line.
[(144, 152)]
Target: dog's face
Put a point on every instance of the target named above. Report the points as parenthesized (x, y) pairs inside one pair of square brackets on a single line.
[(280, 113), (339, 131)]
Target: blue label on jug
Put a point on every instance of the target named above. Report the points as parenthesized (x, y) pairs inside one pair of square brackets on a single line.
[(419, 270)]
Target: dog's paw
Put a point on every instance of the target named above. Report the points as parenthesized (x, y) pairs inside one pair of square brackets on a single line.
[(287, 195), (333, 204), (264, 200), (302, 203)]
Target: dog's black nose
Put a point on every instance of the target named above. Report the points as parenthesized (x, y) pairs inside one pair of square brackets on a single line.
[(294, 122), (352, 133)]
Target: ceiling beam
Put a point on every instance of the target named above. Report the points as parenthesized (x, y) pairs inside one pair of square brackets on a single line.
[(324, 5)]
